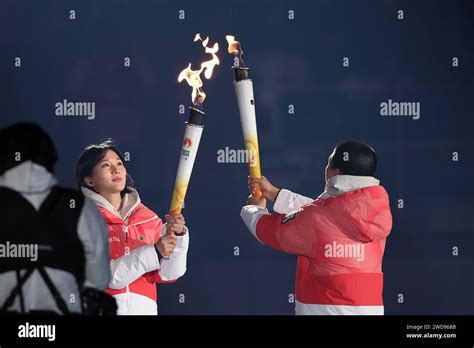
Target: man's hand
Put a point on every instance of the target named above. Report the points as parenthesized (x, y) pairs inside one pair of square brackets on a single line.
[(268, 190), (261, 202), (174, 224), (166, 244)]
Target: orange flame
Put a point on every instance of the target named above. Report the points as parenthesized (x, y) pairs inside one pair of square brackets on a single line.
[(193, 77), (194, 80), (235, 48), (233, 44)]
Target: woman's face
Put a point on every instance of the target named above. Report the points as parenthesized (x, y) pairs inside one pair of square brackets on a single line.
[(109, 175)]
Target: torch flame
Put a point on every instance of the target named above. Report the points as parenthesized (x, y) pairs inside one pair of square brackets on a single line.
[(235, 48), (233, 44), (210, 64), (193, 77), (194, 80)]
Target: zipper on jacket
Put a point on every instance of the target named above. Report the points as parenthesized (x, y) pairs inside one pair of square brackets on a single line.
[(147, 220), (125, 229)]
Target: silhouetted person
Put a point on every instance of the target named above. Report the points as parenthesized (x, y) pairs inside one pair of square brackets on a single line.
[(53, 241)]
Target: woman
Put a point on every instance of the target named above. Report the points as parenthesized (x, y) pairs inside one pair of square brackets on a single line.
[(138, 240)]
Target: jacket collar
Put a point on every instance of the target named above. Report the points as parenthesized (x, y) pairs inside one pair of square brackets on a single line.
[(129, 202), (340, 184)]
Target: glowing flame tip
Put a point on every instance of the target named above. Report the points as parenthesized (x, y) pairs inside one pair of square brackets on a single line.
[(193, 77)]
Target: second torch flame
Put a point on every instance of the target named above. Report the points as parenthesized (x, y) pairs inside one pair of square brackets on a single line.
[(235, 48)]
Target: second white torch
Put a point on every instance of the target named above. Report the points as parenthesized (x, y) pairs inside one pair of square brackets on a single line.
[(244, 91)]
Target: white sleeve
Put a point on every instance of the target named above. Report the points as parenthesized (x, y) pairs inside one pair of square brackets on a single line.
[(92, 232), (128, 268), (288, 201), (250, 214), (174, 266)]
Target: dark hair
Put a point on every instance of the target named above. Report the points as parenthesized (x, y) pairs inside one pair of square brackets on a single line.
[(354, 158), (92, 155), (23, 142)]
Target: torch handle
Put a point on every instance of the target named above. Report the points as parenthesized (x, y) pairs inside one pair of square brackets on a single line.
[(258, 191), (167, 254), (191, 140), (254, 171), (176, 207)]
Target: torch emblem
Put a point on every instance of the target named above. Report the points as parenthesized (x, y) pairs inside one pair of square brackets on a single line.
[(187, 143)]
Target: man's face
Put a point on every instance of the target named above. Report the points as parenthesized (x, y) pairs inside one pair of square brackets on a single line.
[(330, 172)]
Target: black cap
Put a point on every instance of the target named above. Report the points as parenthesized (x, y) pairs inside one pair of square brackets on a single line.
[(241, 74), (31, 142), (196, 117)]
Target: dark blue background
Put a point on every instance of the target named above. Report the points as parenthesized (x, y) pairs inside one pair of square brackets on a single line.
[(295, 62)]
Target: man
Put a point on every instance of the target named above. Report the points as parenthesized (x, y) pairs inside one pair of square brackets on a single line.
[(339, 237), (53, 241)]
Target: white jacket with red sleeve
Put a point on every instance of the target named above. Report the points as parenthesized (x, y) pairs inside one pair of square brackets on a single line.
[(339, 239), (134, 264)]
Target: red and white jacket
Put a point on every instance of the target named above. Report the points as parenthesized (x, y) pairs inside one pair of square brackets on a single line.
[(135, 268), (339, 239)]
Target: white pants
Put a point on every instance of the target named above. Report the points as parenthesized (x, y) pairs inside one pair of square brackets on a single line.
[(130, 303), (318, 309)]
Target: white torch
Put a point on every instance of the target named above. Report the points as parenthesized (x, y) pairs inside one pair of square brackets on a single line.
[(192, 137), (194, 125), (245, 100)]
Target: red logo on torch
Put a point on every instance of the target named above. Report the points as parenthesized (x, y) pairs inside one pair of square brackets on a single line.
[(187, 143)]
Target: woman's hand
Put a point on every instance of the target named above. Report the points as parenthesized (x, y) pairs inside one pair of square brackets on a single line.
[(166, 244), (175, 223)]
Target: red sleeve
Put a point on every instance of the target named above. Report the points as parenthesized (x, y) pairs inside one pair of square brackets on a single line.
[(293, 233)]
